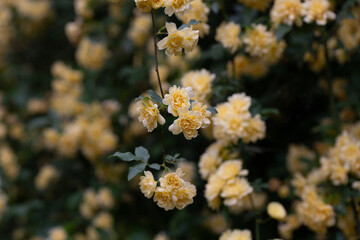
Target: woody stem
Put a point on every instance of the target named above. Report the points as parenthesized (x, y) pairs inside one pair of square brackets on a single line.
[(155, 49), (158, 77)]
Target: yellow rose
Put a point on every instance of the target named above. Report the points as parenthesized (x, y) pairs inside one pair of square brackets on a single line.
[(147, 184)]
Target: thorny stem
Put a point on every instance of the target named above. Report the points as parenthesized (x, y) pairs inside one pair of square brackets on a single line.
[(158, 77)]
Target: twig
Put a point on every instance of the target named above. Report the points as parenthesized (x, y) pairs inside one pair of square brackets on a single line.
[(158, 77)]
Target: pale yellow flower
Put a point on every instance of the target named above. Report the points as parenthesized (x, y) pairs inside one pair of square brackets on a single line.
[(178, 98), (210, 160), (57, 233), (204, 113), (91, 54), (47, 174), (234, 190), (177, 40), (287, 12), (165, 198), (213, 187), (185, 195), (149, 114), (177, 6), (236, 234), (230, 169), (200, 82), (147, 5), (276, 210), (172, 181), (228, 35), (318, 11), (188, 123), (147, 184), (104, 221)]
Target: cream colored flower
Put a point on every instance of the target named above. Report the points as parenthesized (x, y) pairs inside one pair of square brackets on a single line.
[(200, 82), (236, 234), (147, 184), (177, 40), (185, 195), (228, 35), (204, 113), (172, 181), (178, 98), (213, 187), (318, 11), (165, 198), (287, 12), (147, 5), (91, 55), (177, 6), (188, 123), (210, 160), (276, 210), (57, 233), (234, 190), (104, 221), (230, 169), (149, 114), (47, 174)]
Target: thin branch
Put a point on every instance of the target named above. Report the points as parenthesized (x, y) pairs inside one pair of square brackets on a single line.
[(158, 77), (155, 49)]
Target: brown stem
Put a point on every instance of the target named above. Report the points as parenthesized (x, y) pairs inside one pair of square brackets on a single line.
[(155, 49), (158, 77)]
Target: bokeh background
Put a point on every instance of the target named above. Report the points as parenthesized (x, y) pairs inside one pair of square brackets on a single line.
[(69, 74)]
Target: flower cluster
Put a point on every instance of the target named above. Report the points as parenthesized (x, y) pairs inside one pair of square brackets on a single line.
[(234, 121), (227, 182), (191, 115), (172, 192), (171, 6)]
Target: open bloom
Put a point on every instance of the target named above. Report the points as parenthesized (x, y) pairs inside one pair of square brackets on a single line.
[(186, 39), (147, 184), (188, 123), (147, 5), (236, 234), (287, 12), (149, 114), (228, 35), (178, 98), (317, 11), (174, 191), (177, 6)]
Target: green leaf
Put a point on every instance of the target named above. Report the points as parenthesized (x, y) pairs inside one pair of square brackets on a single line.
[(128, 156), (154, 96), (282, 30), (142, 153), (191, 22), (155, 166), (135, 170), (212, 109)]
